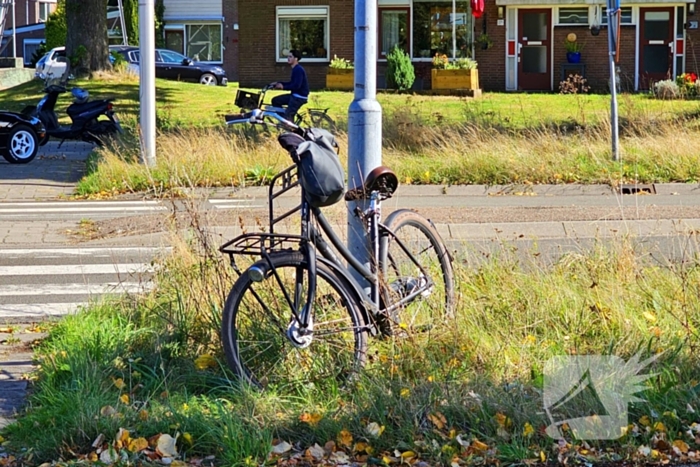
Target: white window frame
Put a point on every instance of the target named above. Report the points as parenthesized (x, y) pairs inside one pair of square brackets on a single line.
[(633, 19), (590, 15), (46, 4), (304, 12)]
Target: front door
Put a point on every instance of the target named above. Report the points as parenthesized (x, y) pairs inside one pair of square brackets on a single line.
[(534, 42), (655, 45)]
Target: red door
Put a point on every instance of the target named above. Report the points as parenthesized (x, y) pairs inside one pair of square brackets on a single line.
[(655, 45), (534, 42)]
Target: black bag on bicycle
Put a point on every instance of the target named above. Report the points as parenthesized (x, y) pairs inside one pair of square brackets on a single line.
[(320, 172)]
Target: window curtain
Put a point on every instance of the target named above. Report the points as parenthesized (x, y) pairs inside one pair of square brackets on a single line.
[(285, 38), (390, 31)]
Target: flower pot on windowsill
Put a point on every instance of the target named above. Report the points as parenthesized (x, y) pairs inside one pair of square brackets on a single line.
[(340, 79), (573, 57), (454, 79)]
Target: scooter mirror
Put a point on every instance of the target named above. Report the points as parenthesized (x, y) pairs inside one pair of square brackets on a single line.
[(42, 76)]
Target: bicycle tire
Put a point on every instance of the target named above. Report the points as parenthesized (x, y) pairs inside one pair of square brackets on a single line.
[(254, 335), (320, 119), (399, 272)]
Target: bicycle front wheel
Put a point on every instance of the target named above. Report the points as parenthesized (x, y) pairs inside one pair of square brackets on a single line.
[(259, 345), (416, 242), (320, 119)]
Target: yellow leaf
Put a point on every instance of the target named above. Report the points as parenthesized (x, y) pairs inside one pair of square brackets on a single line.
[(528, 430), (119, 383), (645, 421), (143, 415), (124, 398), (681, 445), (408, 455), (500, 419), (543, 456), (187, 439), (405, 392), (138, 444), (361, 446), (205, 361), (649, 316), (310, 418), (178, 463), (479, 446), (659, 426), (345, 438), (387, 460), (438, 420)]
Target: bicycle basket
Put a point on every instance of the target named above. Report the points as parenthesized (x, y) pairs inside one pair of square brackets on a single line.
[(248, 100)]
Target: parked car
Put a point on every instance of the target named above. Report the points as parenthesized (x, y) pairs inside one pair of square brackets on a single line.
[(19, 137), (53, 61), (172, 65)]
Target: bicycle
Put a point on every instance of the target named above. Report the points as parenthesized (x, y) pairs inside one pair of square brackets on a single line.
[(305, 117), (296, 317)]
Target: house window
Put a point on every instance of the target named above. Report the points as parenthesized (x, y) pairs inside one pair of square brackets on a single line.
[(203, 42), (442, 27), (393, 30), (44, 11), (31, 47), (626, 17), (304, 29), (578, 15)]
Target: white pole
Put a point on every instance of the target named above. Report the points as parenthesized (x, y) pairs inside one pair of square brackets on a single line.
[(364, 119), (613, 37), (14, 31), (122, 22), (147, 71)]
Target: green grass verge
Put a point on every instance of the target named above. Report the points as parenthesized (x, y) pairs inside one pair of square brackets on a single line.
[(470, 393)]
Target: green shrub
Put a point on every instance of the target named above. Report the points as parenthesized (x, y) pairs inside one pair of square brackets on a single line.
[(399, 73), (56, 28)]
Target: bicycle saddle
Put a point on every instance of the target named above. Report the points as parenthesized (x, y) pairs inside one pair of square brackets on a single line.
[(381, 179)]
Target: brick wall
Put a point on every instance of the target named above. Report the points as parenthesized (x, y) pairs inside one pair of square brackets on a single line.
[(692, 46), (257, 64), (492, 68)]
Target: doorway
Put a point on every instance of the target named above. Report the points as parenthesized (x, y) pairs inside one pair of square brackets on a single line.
[(534, 44), (655, 45)]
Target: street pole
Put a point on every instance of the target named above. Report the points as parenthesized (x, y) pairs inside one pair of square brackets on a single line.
[(364, 121), (147, 87), (14, 31), (613, 37)]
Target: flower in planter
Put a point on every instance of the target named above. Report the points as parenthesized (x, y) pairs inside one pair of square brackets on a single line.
[(441, 62), (571, 45), (341, 63)]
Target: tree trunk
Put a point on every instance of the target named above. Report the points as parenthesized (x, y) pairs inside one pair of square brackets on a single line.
[(87, 47)]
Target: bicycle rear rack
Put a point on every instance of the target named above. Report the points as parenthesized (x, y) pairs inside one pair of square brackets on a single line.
[(280, 184), (255, 244)]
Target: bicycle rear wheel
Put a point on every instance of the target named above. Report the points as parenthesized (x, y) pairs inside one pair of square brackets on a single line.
[(401, 276), (257, 316), (320, 119)]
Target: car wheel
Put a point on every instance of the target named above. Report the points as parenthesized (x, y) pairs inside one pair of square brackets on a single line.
[(22, 145), (208, 79)]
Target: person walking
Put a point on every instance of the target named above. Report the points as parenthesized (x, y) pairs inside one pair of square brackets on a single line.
[(297, 85)]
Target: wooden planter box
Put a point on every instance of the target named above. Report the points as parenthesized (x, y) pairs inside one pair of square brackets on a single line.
[(455, 79), (340, 79)]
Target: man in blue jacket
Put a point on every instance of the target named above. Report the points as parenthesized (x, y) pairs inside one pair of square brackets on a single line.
[(297, 84)]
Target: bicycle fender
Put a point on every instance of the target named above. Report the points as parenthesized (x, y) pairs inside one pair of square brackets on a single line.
[(367, 309)]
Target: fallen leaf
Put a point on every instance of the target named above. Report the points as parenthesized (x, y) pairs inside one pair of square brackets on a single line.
[(138, 444), (345, 438), (438, 420), (310, 418), (166, 446), (107, 411), (681, 445), (109, 456), (205, 361), (479, 446), (373, 429), (339, 457), (281, 448), (119, 383), (124, 399), (528, 430), (316, 452), (649, 316), (97, 443)]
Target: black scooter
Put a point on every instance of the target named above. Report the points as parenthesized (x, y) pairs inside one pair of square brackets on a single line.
[(84, 115)]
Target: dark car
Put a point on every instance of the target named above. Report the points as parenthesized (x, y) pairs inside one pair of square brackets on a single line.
[(19, 137), (172, 65)]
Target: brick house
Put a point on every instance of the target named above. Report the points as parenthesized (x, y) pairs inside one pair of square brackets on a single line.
[(525, 45), (29, 16)]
